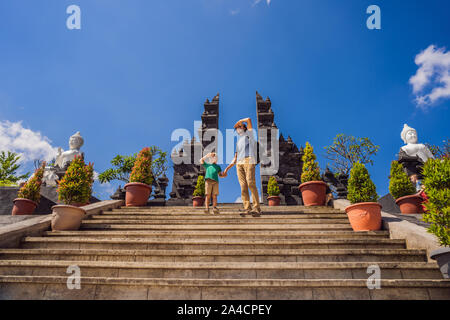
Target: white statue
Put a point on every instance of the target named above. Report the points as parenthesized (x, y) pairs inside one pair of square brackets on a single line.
[(50, 177), (413, 155), (75, 143), (412, 148)]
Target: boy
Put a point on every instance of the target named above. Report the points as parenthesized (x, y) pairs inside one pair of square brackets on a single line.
[(213, 172)]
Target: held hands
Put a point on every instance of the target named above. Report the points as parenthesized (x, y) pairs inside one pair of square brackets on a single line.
[(223, 174)]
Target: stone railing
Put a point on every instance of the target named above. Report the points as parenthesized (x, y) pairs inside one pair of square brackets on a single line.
[(12, 234), (416, 236)]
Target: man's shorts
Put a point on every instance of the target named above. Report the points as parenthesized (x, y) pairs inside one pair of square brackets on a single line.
[(211, 187)]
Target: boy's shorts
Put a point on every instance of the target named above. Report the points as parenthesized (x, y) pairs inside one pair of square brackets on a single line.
[(211, 187)]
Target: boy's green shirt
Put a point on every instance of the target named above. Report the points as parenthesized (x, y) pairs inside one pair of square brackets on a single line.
[(212, 171)]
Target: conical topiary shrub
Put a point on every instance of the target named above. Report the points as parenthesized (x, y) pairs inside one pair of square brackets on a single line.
[(313, 189), (74, 190), (403, 190), (198, 198), (139, 188), (30, 194), (311, 170), (273, 190), (364, 213)]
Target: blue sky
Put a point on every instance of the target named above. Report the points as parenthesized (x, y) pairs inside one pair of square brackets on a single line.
[(137, 70)]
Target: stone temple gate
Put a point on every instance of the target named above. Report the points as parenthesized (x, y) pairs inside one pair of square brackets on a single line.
[(289, 168)]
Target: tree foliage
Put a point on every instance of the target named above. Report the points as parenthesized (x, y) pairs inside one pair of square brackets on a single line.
[(348, 150), (440, 152), (360, 187), (311, 170), (437, 188), (8, 168), (31, 190), (399, 184), (76, 185), (199, 190), (273, 189), (123, 165)]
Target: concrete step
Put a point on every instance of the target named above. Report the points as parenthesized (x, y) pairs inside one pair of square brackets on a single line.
[(218, 219), (249, 255), (236, 234), (149, 225), (235, 215), (223, 270), (102, 288), (83, 242), (226, 208)]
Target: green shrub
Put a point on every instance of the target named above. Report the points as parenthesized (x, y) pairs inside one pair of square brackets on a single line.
[(31, 190), (122, 166), (360, 186), (142, 169), (437, 187), (272, 187), (399, 184), (199, 190), (76, 185), (7, 183), (9, 164), (311, 170)]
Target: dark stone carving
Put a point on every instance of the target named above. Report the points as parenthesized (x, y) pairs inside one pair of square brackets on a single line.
[(290, 157), (412, 165), (186, 173), (338, 183)]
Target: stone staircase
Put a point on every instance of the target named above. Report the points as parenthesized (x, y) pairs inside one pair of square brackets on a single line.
[(181, 253)]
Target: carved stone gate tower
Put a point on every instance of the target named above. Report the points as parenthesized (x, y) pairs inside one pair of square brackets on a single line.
[(186, 173), (289, 160)]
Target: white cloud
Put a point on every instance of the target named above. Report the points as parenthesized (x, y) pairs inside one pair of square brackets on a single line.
[(235, 12), (255, 2), (31, 145), (238, 200), (433, 74)]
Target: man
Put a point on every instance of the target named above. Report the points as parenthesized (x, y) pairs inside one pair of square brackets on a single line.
[(245, 157)]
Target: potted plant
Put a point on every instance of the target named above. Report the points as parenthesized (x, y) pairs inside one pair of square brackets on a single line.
[(365, 212), (436, 174), (74, 191), (313, 189), (139, 188), (402, 189), (198, 198), (29, 194), (273, 191), (122, 166)]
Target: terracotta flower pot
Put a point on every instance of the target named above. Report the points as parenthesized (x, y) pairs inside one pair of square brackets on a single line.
[(364, 216), (410, 204), (65, 217), (137, 194), (23, 207), (198, 201), (313, 193), (273, 201)]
